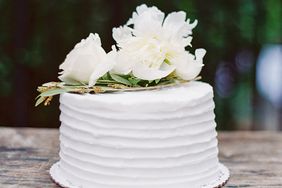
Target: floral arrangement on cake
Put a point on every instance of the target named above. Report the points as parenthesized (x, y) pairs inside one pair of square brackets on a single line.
[(150, 53)]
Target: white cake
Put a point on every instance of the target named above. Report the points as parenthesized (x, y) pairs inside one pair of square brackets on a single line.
[(147, 139)]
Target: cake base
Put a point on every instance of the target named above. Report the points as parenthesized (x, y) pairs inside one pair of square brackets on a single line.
[(58, 177)]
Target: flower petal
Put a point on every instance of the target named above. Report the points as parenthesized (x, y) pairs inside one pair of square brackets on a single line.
[(103, 67), (186, 41), (177, 29), (122, 33), (192, 25), (173, 23), (139, 10), (91, 39), (144, 72), (146, 21), (200, 53), (79, 74), (188, 66), (123, 64)]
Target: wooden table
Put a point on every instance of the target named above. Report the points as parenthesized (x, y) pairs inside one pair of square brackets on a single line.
[(26, 154)]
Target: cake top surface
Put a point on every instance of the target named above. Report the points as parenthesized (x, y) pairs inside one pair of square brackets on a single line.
[(190, 91)]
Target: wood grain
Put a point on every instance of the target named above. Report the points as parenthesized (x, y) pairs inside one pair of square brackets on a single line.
[(26, 154)]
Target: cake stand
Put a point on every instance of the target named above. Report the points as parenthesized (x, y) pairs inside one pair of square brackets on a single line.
[(58, 177)]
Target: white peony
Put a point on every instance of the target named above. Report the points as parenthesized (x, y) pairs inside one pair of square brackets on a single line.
[(153, 46), (87, 62)]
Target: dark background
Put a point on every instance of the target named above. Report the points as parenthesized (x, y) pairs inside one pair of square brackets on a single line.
[(36, 35)]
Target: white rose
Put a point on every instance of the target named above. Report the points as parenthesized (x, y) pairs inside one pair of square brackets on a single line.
[(149, 48), (87, 62)]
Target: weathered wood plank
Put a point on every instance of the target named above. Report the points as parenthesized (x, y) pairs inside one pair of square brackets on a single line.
[(254, 158), (26, 154)]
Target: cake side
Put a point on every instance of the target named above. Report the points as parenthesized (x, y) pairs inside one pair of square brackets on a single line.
[(163, 138)]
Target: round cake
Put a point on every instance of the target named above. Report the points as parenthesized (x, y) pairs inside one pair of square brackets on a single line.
[(162, 138)]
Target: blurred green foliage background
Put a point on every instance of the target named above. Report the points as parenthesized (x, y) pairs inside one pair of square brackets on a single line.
[(35, 37)]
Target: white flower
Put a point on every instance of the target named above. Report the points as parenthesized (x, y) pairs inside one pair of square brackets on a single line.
[(149, 49), (87, 62)]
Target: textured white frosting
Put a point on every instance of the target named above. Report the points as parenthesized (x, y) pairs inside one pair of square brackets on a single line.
[(147, 139)]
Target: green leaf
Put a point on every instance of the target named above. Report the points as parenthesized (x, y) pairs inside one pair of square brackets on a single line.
[(52, 92), (134, 81), (106, 81), (120, 79), (157, 81), (39, 101), (105, 77)]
